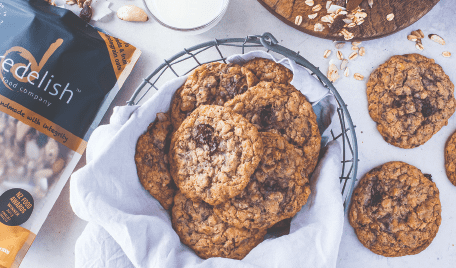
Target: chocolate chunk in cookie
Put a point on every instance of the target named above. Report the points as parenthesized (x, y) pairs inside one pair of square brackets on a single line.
[(210, 84), (281, 109), (277, 189), (213, 154), (410, 98), (395, 210), (450, 158), (151, 160), (270, 71), (200, 229)]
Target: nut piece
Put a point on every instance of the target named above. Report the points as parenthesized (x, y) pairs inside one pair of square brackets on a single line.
[(312, 16), (131, 13), (316, 8), (327, 18), (437, 39), (412, 37), (446, 54), (346, 72), (362, 51), (344, 64), (333, 73), (390, 17), (298, 20), (358, 76), (328, 4), (347, 35), (340, 56), (418, 33), (340, 45), (353, 55), (309, 2), (327, 53), (318, 27)]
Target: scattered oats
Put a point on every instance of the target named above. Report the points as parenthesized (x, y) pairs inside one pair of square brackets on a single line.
[(361, 15), (353, 55), (359, 21), (328, 4), (347, 35), (346, 72), (446, 54), (327, 53), (316, 8), (339, 54), (333, 73), (309, 2), (390, 17), (358, 76), (421, 33), (436, 39), (347, 20), (298, 20), (412, 37), (351, 25), (419, 45), (356, 43), (340, 45), (370, 2), (362, 51), (327, 18), (318, 27), (344, 64), (71, 2), (418, 33), (312, 16), (355, 48)]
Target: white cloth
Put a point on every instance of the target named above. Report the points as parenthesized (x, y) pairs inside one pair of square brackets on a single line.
[(129, 228)]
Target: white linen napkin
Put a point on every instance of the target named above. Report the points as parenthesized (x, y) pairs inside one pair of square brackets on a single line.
[(129, 228)]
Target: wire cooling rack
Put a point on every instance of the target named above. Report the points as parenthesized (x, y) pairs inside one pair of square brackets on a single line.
[(185, 61)]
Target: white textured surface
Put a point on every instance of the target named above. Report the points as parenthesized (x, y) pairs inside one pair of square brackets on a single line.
[(54, 245)]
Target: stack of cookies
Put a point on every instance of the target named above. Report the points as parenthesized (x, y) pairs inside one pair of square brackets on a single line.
[(232, 157)]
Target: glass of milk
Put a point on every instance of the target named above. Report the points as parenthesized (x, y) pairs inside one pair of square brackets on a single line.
[(189, 16)]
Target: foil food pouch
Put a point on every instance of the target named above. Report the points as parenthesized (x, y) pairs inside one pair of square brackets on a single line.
[(58, 76)]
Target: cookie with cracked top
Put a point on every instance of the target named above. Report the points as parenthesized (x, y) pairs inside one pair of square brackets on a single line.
[(410, 98), (200, 229), (395, 210), (277, 189), (269, 71), (151, 158), (281, 109), (213, 154), (450, 158), (209, 84)]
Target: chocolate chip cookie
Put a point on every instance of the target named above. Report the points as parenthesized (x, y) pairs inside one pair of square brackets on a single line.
[(213, 154), (200, 229), (450, 158), (395, 210), (281, 109), (209, 84), (277, 189), (151, 160), (269, 70), (410, 98)]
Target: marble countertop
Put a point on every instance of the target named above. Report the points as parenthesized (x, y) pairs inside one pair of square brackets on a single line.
[(54, 244)]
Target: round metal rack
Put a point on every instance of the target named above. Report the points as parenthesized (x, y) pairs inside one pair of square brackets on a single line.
[(213, 51)]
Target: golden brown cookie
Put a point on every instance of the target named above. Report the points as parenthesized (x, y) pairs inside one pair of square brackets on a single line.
[(410, 98), (450, 158), (213, 154), (151, 160), (209, 84), (269, 70), (277, 189), (395, 210), (200, 229), (281, 109)]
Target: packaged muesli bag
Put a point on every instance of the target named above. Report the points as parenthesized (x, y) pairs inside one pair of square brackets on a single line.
[(58, 76)]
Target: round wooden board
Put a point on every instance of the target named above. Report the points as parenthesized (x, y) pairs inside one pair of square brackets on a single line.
[(406, 12)]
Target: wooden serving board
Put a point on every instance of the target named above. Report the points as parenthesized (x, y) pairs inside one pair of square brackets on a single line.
[(406, 12)]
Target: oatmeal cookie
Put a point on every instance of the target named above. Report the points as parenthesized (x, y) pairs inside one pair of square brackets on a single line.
[(395, 210), (281, 109), (269, 70), (410, 98), (151, 158), (200, 229), (450, 158), (213, 154), (277, 189), (210, 84)]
